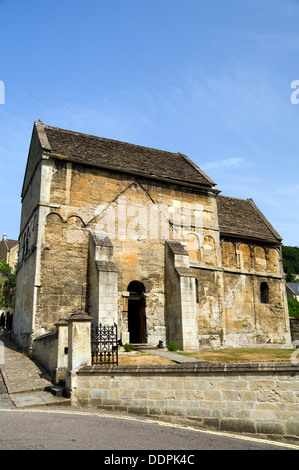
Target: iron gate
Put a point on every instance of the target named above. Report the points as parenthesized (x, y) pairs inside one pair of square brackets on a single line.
[(104, 345)]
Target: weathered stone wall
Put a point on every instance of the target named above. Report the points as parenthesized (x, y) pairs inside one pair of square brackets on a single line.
[(173, 299), (26, 282), (249, 320), (182, 311), (210, 307), (294, 322), (32, 181), (44, 351), (63, 202), (249, 257), (102, 280), (64, 256), (83, 199), (247, 398), (35, 199), (24, 304)]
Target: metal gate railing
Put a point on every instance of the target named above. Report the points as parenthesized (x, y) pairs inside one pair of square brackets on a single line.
[(104, 345)]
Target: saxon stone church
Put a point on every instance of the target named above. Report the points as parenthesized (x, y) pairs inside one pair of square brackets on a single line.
[(142, 238)]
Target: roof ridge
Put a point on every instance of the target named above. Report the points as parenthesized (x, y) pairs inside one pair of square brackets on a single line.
[(124, 156), (110, 140), (232, 197)]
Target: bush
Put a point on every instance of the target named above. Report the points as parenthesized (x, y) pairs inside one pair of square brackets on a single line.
[(173, 346), (293, 307), (129, 347)]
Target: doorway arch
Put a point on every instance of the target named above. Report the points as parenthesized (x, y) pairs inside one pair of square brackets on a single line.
[(136, 313)]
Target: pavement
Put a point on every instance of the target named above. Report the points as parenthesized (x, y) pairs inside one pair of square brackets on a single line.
[(163, 352), (24, 379)]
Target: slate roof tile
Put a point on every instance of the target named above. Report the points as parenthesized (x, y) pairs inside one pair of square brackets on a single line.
[(241, 217), (124, 156), (237, 217)]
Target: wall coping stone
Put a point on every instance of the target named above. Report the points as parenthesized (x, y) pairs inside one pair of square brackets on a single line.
[(200, 367), (61, 321), (46, 335), (82, 316)]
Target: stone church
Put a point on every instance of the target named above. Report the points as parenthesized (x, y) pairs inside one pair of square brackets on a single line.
[(142, 238)]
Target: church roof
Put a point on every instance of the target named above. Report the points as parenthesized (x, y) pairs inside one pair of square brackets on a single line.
[(123, 156), (241, 217), (237, 217)]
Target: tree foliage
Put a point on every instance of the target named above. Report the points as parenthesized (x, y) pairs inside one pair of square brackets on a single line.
[(7, 290), (290, 255), (293, 307), (5, 268)]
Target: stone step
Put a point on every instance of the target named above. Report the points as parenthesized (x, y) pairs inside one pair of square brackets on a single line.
[(37, 399), (56, 390), (141, 346)]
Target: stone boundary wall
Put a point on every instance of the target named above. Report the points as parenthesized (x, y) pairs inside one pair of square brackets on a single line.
[(251, 398), (294, 323), (51, 350), (44, 350)]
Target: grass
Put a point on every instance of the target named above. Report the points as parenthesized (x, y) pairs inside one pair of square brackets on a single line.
[(243, 355), (218, 355), (137, 358)]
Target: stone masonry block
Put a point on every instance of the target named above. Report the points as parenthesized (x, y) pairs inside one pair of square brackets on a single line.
[(270, 427), (237, 425)]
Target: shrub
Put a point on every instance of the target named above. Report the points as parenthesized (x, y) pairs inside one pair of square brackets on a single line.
[(293, 307), (129, 347), (173, 346)]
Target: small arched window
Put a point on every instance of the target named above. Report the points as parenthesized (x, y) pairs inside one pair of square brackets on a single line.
[(192, 248), (264, 293)]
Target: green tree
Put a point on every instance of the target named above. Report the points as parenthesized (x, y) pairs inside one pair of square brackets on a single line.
[(293, 307), (7, 287), (290, 256)]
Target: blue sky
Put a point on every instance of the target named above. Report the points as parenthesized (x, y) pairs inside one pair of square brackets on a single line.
[(208, 78)]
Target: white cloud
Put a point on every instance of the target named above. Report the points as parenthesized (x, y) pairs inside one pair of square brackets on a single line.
[(227, 163), (291, 190)]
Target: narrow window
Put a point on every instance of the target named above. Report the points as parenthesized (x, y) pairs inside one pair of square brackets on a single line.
[(264, 293)]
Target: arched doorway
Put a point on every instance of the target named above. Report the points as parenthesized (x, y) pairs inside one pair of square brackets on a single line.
[(136, 313)]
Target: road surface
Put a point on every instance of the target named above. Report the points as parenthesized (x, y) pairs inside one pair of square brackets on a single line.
[(71, 429)]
